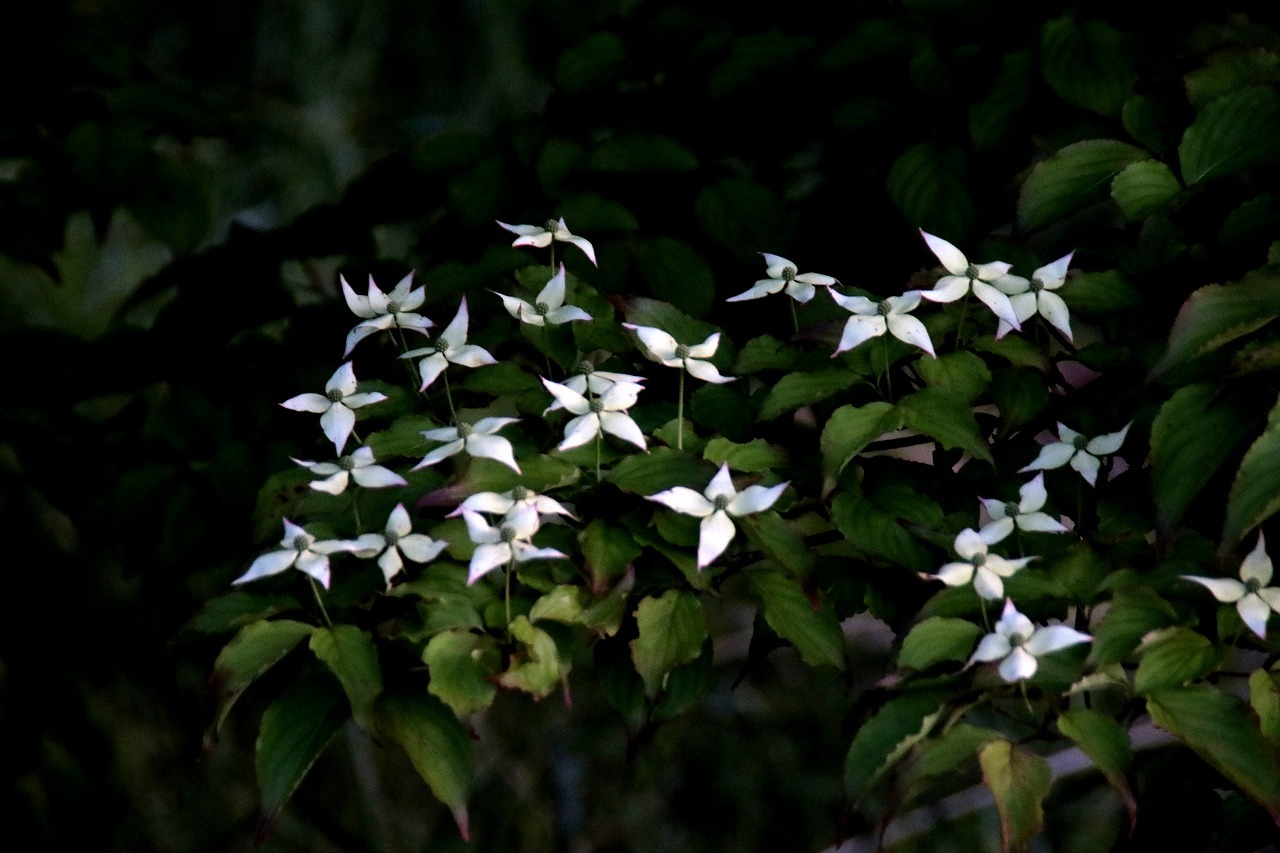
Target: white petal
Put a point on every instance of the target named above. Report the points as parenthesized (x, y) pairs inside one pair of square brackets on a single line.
[(550, 506), (1053, 455), (391, 564), (987, 584), (951, 257), (523, 521), (1053, 309), (441, 434), (293, 532), (431, 367), (486, 558), (707, 348), (685, 501), (271, 563), (367, 545), (1087, 465), (313, 403), (398, 523), (567, 397), (377, 477), (1066, 434), (998, 529), (995, 509), (523, 230), (343, 380), (493, 447), (517, 308), (1054, 274), (657, 342), (856, 304), (480, 531), (993, 270), (721, 484), (1257, 566), (969, 544), (759, 290), (440, 454), (775, 264), (358, 304), (324, 469), (992, 647), (1012, 623), (579, 431), (1039, 522), (583, 244), (816, 278), (526, 552), (1054, 637), (1271, 595), (955, 574), (1011, 285), (337, 423), (949, 288), (421, 548), (552, 295), (997, 302), (755, 499), (490, 502), (355, 401), (1109, 443), (1005, 567), (316, 565), (539, 241), (469, 355), (621, 425), (1254, 612), (334, 484), (706, 371), (800, 291), (1019, 665), (356, 335), (715, 533), (489, 426), (567, 314), (1032, 494), (910, 330), (858, 330), (620, 396), (455, 334), (1024, 306), (1226, 590), (908, 301)]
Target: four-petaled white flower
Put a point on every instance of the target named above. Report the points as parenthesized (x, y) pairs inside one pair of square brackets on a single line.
[(541, 236), (395, 540), (606, 413), (383, 311), (983, 569), (1254, 600), (477, 439), (781, 273), (548, 309), (587, 378), (986, 280), (1028, 297), (1016, 643), (504, 503), (335, 405), (661, 347), (872, 319), (1025, 514), (450, 347), (299, 550), (508, 542), (359, 466), (1081, 452), (715, 506)]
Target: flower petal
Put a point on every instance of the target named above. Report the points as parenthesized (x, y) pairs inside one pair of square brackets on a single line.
[(1053, 309), (358, 304), (440, 454), (567, 314), (377, 477), (951, 257), (987, 584), (1032, 494), (315, 565), (1254, 612), (721, 484), (337, 423), (584, 244), (949, 288), (715, 533), (707, 348), (579, 431), (1054, 637), (910, 330), (391, 564), (775, 264), (659, 344), (1226, 590), (1053, 275), (515, 307), (567, 397), (955, 574), (998, 529), (997, 302), (431, 367), (1039, 522), (969, 544), (706, 371), (552, 294), (342, 380), (1053, 455), (992, 647), (1018, 666), (493, 447), (421, 548), (759, 290), (619, 396), (480, 531), (1257, 566), (455, 334), (856, 304), (355, 401), (684, 500), (526, 552), (469, 355), (490, 502), (313, 403), (816, 278), (1109, 443), (356, 335), (271, 563), (858, 330), (621, 425), (1087, 465), (334, 484), (800, 291), (486, 558), (755, 499)]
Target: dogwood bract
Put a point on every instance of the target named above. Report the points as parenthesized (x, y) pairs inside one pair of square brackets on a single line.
[(450, 347), (605, 413), (1025, 514), (335, 405), (496, 503), (541, 236), (1081, 452), (299, 550), (383, 311), (872, 319), (1016, 643), (985, 570), (781, 273), (587, 378), (715, 506), (508, 542), (1036, 295), (661, 347), (548, 308), (477, 439), (359, 466), (1254, 600), (397, 539), (981, 278)]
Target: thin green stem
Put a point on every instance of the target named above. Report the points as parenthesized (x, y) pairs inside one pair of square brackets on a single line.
[(888, 377), (795, 320), (680, 413), (986, 622), (324, 614), (415, 381), (1025, 698), (964, 312), (448, 395), (599, 440), (355, 508), (507, 594)]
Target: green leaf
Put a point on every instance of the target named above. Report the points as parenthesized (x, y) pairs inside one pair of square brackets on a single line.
[(535, 667), (942, 414), (591, 64), (351, 656), (643, 311), (1142, 189), (1073, 177), (1146, 119), (235, 609), (1254, 497), (754, 456), (436, 743), (672, 628), (1019, 394), (739, 213), (662, 468), (402, 438), (1229, 69), (1233, 134), (461, 665), (1264, 697), (938, 639), (502, 378), (256, 648), (764, 353), (1193, 434), (1088, 64), (642, 152), (800, 389), (780, 541), (607, 549), (883, 740), (848, 431), (1133, 613), (995, 118), (1172, 657), (295, 730), (1217, 314), (1107, 744), (876, 531), (962, 372), (674, 272), (930, 185), (563, 603), (1100, 293), (1220, 730), (814, 632), (1020, 781)]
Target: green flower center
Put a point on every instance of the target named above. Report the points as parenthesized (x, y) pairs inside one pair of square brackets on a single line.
[(347, 463), (1036, 285), (551, 225), (1011, 509), (541, 308), (1016, 640), (883, 309), (1079, 442), (972, 272), (596, 406), (789, 273), (520, 493), (464, 430), (508, 533), (720, 502), (392, 538), (682, 351), (978, 560), (393, 307), (1252, 585), (334, 396), (586, 368), (301, 543)]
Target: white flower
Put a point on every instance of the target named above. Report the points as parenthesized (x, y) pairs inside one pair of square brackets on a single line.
[(335, 405), (506, 502), (299, 550), (783, 274), (382, 311), (450, 347), (1081, 452), (542, 235), (506, 543), (986, 280), (477, 439), (661, 347), (984, 569), (397, 539), (715, 506), (358, 466), (1025, 514), (1017, 643), (548, 309), (872, 319), (598, 415), (596, 381), (1028, 297), (1253, 598)]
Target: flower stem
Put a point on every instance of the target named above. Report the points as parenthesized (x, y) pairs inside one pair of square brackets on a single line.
[(415, 383), (986, 622), (507, 595), (888, 377), (680, 413), (448, 395), (795, 321), (964, 312), (599, 439), (355, 508), (324, 614)]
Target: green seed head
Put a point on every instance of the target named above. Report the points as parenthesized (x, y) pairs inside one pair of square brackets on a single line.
[(721, 503), (334, 396), (300, 543), (1011, 509), (972, 272), (1252, 585), (551, 225), (883, 309), (596, 406), (520, 493), (347, 463), (541, 308), (1079, 442), (682, 351), (789, 274), (508, 533), (464, 430), (586, 368)]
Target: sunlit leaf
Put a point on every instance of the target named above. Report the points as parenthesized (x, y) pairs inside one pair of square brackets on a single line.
[(1020, 781)]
